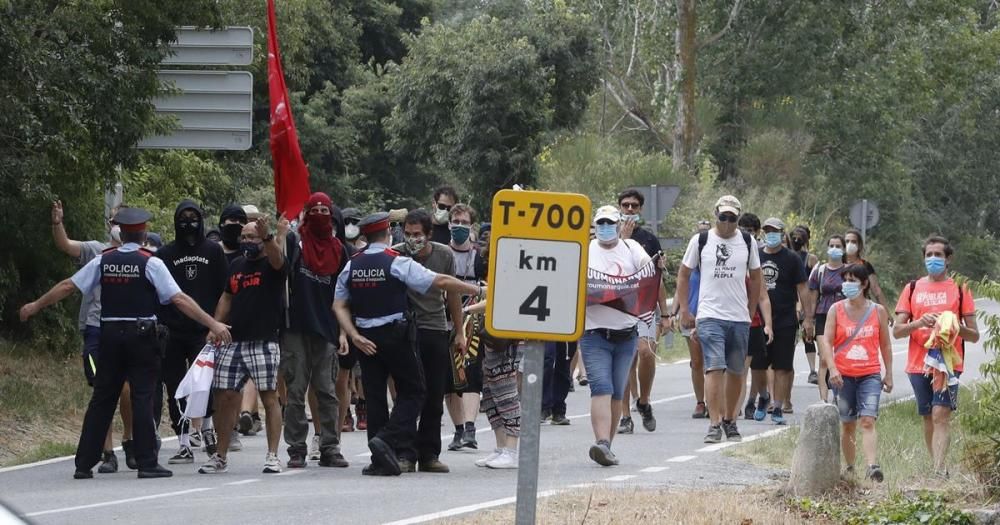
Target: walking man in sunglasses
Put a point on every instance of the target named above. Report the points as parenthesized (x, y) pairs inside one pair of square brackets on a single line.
[(444, 198)]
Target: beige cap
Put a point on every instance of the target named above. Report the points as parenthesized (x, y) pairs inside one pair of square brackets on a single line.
[(398, 215), (728, 203), (775, 223), (607, 212), (252, 212)]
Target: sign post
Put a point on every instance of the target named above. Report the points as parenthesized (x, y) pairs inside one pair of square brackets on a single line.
[(864, 216), (537, 292)]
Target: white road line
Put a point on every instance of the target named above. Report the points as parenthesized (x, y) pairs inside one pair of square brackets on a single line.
[(115, 502), (718, 446), (291, 472), (464, 510), (680, 459), (681, 362), (653, 470), (623, 477), (57, 460), (746, 439), (244, 481), (581, 486)]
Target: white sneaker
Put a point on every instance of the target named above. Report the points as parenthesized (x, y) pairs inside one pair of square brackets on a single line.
[(483, 461), (506, 460), (215, 465), (235, 445), (314, 454), (272, 465)]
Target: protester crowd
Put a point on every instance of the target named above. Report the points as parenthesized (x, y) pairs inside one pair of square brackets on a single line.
[(308, 316)]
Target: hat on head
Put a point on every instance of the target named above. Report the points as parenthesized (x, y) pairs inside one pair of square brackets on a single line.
[(233, 211), (607, 212), (132, 219), (252, 212), (318, 199), (351, 213), (398, 215), (374, 223), (154, 240), (728, 203), (775, 223)]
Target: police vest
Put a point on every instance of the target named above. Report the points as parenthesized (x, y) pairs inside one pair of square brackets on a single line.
[(125, 290), (374, 291)]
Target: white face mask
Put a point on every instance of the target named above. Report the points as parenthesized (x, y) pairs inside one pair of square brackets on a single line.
[(116, 233), (440, 216), (352, 231), (852, 248)]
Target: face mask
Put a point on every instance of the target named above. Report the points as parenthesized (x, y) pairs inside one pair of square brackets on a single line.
[(116, 233), (320, 225), (416, 244), (851, 289), (772, 239), (251, 250), (935, 265), (835, 254), (440, 216), (189, 227), (606, 232), (231, 235), (852, 248), (460, 233), (634, 218), (352, 231), (797, 243)]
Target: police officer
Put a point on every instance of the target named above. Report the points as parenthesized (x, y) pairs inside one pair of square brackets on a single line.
[(132, 286), (372, 288)]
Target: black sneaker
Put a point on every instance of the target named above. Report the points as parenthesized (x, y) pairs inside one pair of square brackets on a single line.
[(296, 461), (155, 472), (83, 474), (749, 409), (813, 378), (245, 423), (646, 411), (456, 442), (383, 456), (714, 434), (559, 420), (373, 470), (626, 426), (129, 450), (732, 433), (469, 439), (601, 453), (183, 456), (109, 463), (210, 441), (333, 460), (875, 473)]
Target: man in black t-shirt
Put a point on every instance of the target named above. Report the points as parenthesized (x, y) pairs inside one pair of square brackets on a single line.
[(252, 306), (445, 198), (785, 278)]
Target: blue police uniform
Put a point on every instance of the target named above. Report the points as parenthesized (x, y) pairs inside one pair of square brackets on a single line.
[(375, 283), (132, 286)]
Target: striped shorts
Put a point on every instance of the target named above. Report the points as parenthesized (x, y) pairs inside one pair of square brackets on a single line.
[(500, 400), (239, 361)]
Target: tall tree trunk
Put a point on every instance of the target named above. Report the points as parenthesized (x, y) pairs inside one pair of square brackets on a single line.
[(685, 70)]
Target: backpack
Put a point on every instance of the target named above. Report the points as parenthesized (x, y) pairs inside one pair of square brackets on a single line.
[(961, 299), (703, 240)]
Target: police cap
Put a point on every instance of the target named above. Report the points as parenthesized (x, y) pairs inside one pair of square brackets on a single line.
[(351, 213), (374, 223), (132, 219)]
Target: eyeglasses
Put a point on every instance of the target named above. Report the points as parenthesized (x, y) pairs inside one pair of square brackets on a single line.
[(631, 205), (444, 207), (728, 217)]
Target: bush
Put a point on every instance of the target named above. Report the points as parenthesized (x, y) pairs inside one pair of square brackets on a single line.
[(982, 451), (927, 508)]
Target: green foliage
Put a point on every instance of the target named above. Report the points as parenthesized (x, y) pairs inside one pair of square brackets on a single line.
[(927, 508), (983, 420)]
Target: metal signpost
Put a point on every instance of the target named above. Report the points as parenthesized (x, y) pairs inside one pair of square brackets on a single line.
[(864, 216), (537, 292)]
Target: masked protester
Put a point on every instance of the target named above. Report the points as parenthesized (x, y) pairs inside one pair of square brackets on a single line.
[(231, 223), (352, 233), (445, 198)]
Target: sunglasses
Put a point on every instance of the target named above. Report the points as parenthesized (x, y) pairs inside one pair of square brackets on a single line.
[(728, 217), (352, 221), (630, 205), (444, 207), (605, 221)]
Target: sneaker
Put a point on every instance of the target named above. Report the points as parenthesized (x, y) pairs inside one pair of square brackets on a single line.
[(506, 460), (571, 387), (875, 473), (777, 416), (215, 465), (374, 470), (648, 421), (749, 410), (83, 474), (314, 449), (130, 462), (296, 461), (272, 465), (335, 459), (700, 411), (109, 463), (559, 420), (245, 424), (258, 425), (406, 466), (582, 380), (732, 433), (433, 465), (788, 408), (546, 416), (483, 461), (234, 443), (348, 425), (469, 439), (813, 378), (184, 456), (211, 444), (195, 438), (362, 417), (456, 442), (156, 472), (601, 453), (626, 426), (714, 434), (761, 411), (383, 456)]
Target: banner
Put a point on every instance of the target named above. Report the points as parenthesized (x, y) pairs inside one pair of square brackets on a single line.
[(635, 294)]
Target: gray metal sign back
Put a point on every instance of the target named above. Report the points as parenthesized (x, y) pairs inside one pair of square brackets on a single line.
[(232, 46)]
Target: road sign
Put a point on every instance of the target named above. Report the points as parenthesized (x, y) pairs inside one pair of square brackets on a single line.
[(659, 200), (232, 46), (539, 246), (213, 110), (864, 214)]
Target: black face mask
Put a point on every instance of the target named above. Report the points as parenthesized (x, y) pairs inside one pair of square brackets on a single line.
[(251, 250), (798, 243), (231, 235)]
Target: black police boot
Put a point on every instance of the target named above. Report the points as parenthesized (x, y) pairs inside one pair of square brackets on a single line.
[(83, 474), (109, 463), (128, 448), (155, 472)]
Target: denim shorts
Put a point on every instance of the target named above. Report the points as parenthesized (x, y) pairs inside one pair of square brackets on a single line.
[(858, 397), (724, 344), (927, 397), (607, 363)]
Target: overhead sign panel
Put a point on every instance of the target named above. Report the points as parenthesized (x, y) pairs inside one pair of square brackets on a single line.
[(232, 46)]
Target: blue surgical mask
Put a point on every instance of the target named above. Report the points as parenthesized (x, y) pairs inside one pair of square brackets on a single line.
[(850, 289), (251, 250), (772, 239), (460, 233), (835, 254), (935, 265), (606, 232)]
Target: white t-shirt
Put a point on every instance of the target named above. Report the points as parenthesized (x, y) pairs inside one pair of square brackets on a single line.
[(626, 258), (723, 291)]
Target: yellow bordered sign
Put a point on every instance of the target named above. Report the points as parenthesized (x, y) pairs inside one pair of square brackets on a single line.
[(538, 265)]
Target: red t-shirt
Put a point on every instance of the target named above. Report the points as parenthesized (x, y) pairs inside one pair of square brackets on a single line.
[(931, 297), (861, 357)]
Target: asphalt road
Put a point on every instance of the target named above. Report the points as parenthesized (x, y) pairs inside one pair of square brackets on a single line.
[(673, 455)]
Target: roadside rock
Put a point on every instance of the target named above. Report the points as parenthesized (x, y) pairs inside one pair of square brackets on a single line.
[(816, 461)]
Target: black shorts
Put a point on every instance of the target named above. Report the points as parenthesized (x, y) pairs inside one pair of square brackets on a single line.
[(820, 324), (781, 351), (757, 346), (348, 361)]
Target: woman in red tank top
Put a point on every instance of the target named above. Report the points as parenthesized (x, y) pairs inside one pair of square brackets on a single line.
[(856, 334)]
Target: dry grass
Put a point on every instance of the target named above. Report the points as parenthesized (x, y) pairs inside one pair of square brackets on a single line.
[(605, 505)]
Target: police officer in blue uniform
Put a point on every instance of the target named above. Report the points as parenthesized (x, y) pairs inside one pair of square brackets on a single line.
[(132, 286), (373, 310)]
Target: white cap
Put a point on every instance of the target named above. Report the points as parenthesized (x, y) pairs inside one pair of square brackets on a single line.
[(607, 212), (252, 212), (728, 203)]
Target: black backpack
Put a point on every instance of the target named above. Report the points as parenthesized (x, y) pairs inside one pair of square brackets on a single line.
[(703, 240)]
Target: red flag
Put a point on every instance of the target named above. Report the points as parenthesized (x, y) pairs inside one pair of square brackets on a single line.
[(291, 178)]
